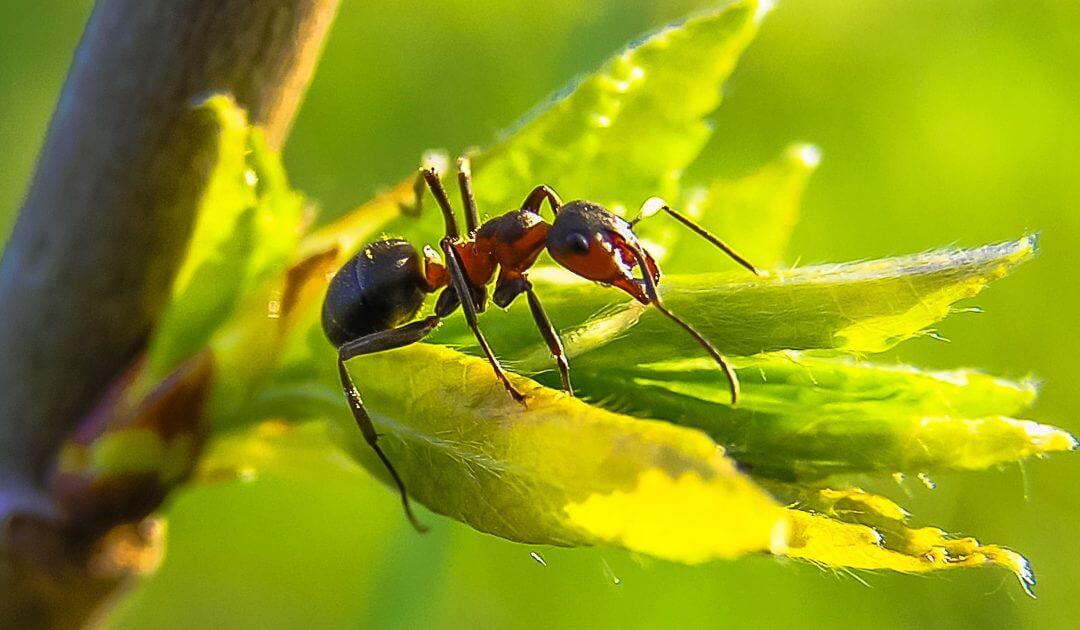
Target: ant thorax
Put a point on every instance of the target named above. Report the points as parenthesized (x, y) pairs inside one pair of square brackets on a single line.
[(513, 241)]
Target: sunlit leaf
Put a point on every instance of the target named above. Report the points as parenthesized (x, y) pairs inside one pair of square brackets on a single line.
[(854, 307), (565, 472), (247, 226), (755, 214), (622, 134), (857, 530), (626, 132), (559, 472), (806, 417)]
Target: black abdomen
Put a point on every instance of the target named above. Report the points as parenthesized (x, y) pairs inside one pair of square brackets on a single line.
[(382, 287)]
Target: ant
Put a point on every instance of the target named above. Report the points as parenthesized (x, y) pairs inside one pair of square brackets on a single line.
[(372, 301)]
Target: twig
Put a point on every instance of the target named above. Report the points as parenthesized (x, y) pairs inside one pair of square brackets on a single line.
[(106, 220)]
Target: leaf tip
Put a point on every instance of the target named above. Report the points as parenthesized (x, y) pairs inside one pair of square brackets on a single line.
[(1016, 563), (1032, 242), (1048, 439)]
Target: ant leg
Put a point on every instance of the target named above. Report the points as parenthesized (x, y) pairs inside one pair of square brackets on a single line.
[(468, 199), (654, 205), (537, 197), (654, 299), (377, 342), (551, 337), (389, 339), (461, 287), (430, 177)]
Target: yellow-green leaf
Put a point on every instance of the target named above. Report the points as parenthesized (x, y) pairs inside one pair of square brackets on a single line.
[(857, 530), (622, 134), (755, 214), (247, 226), (559, 472), (853, 307), (807, 417)]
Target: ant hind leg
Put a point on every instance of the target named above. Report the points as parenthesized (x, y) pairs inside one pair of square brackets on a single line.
[(368, 344)]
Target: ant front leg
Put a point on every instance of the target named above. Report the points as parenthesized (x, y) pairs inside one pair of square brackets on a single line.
[(655, 204), (506, 291), (551, 337), (461, 286), (641, 258), (368, 344)]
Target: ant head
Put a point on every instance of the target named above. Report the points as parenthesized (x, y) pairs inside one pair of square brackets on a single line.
[(596, 244)]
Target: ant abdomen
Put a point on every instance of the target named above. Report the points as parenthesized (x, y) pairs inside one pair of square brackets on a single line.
[(381, 287)]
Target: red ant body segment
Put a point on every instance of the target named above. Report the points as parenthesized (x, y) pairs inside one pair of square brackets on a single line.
[(373, 300)]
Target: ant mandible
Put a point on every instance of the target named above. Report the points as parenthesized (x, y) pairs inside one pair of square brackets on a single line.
[(372, 300)]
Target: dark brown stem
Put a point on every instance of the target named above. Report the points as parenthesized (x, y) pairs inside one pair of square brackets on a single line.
[(105, 223)]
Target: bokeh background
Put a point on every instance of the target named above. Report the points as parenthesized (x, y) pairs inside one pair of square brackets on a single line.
[(941, 121)]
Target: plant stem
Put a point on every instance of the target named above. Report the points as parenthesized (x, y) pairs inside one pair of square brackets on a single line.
[(107, 217)]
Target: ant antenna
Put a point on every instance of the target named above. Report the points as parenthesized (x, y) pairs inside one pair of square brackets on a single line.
[(654, 205), (654, 298)]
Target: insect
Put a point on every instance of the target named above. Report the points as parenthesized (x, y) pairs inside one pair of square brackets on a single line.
[(372, 302)]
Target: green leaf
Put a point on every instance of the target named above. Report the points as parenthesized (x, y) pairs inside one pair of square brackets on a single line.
[(560, 472), (247, 226), (564, 472), (806, 417), (853, 307), (857, 530), (622, 134), (755, 214), (626, 132)]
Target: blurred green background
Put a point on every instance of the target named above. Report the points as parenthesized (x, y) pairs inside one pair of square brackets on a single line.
[(940, 122)]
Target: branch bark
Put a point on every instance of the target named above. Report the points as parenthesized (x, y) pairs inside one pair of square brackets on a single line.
[(108, 215)]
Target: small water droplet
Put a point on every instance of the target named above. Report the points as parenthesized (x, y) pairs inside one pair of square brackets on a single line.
[(540, 559), (809, 154), (899, 478), (927, 481), (609, 574), (251, 178)]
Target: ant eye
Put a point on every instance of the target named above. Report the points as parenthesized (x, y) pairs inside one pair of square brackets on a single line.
[(578, 243)]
